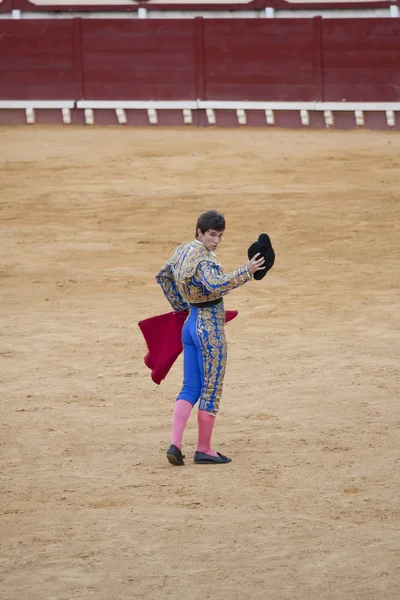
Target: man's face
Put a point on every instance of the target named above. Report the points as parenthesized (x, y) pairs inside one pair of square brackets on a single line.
[(211, 238)]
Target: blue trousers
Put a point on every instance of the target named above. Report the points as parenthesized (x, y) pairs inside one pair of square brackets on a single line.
[(204, 357)]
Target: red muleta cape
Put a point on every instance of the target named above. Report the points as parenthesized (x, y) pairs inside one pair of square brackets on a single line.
[(163, 336)]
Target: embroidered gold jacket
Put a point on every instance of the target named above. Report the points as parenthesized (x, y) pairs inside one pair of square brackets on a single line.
[(193, 274)]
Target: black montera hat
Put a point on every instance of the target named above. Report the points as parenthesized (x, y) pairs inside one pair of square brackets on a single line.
[(264, 247)]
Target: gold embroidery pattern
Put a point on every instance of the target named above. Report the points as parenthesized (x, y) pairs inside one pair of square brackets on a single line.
[(218, 282), (193, 274), (167, 282), (211, 336)]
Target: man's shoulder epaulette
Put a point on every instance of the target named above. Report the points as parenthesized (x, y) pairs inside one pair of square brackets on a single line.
[(179, 252), (187, 257)]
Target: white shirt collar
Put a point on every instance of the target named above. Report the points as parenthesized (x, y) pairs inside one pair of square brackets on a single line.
[(201, 244)]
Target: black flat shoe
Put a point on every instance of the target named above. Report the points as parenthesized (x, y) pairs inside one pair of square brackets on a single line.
[(206, 459), (175, 456)]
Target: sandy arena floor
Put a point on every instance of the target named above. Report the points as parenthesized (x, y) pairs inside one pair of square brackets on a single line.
[(309, 508)]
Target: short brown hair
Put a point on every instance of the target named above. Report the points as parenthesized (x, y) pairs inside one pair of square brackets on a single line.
[(210, 220)]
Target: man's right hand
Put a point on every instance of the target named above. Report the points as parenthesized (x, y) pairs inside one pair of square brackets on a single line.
[(255, 264)]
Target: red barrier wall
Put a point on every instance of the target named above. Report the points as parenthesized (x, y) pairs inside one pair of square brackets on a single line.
[(259, 60), (39, 59), (209, 59), (138, 60), (361, 59)]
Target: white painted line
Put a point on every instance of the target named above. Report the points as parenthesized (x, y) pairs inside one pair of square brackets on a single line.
[(121, 116), (66, 115), (30, 115), (89, 116), (211, 107), (329, 122), (390, 118), (241, 116), (187, 116), (215, 105), (152, 114), (353, 106), (269, 117), (244, 105), (305, 117), (359, 117), (210, 116), (137, 104), (37, 104), (320, 106)]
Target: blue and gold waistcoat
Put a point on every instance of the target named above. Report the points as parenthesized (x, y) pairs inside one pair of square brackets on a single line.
[(193, 274)]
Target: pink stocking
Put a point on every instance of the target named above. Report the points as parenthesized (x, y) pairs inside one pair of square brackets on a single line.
[(182, 411), (206, 424)]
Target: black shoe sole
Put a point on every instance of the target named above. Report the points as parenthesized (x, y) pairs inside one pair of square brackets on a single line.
[(211, 462), (174, 460)]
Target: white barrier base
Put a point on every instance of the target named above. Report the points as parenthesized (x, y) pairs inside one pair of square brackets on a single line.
[(212, 109)]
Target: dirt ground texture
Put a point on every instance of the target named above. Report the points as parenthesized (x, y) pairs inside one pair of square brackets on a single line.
[(90, 507)]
